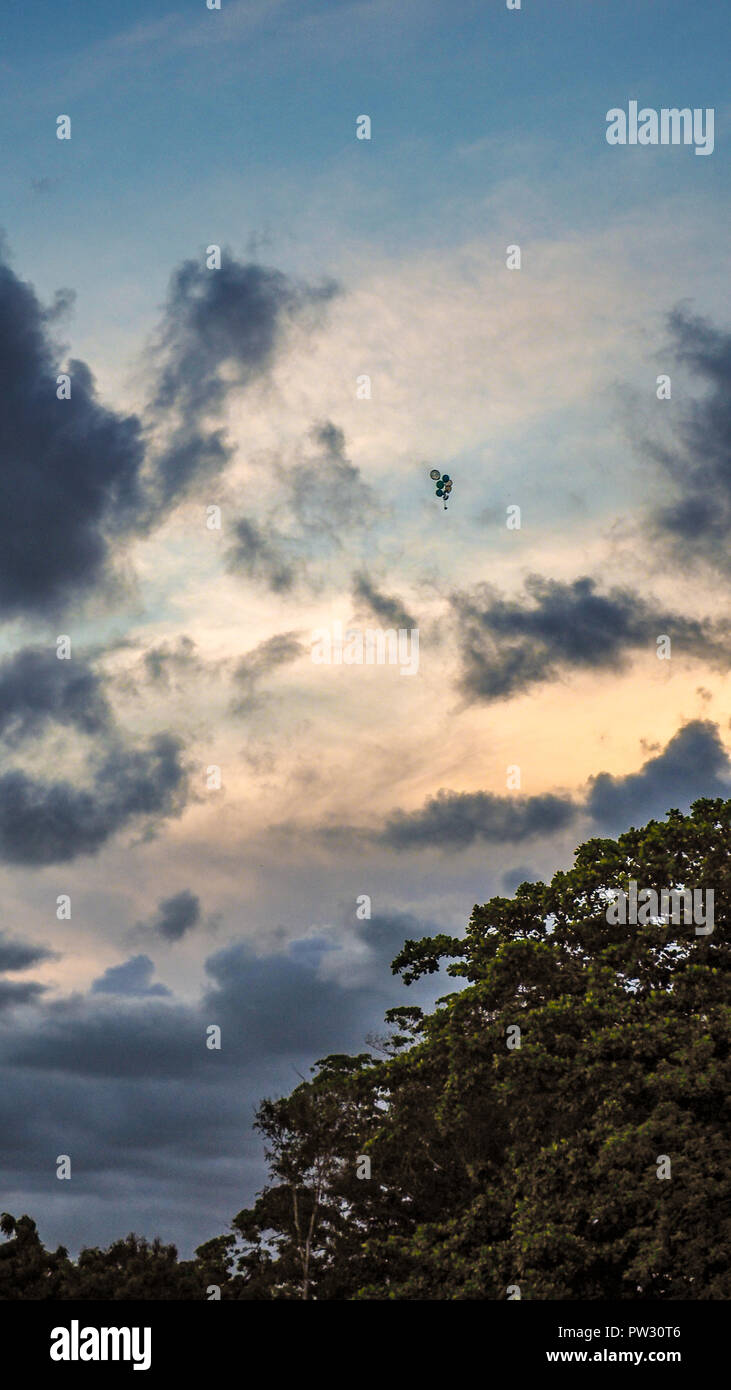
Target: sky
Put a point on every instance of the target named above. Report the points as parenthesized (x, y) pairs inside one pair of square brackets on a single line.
[(193, 807)]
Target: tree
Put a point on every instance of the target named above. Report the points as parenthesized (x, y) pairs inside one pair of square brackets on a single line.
[(27, 1269), (289, 1239), (541, 1164), (133, 1268)]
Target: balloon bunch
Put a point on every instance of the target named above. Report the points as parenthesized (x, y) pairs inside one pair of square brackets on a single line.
[(444, 484)]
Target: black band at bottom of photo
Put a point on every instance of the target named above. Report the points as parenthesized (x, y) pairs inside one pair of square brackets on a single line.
[(160, 1338)]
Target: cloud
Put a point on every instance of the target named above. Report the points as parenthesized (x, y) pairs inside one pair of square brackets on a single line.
[(192, 456), (69, 469), (130, 978), (327, 493), (512, 878), (79, 476), (322, 501), (176, 915), (36, 688), (220, 331), (455, 820), (19, 955), (383, 606), (158, 1125), (508, 645), (166, 666), (171, 660), (360, 953), (54, 822), (13, 994), (276, 651), (266, 1005), (693, 764), (274, 1005), (232, 317), (698, 462), (261, 553)]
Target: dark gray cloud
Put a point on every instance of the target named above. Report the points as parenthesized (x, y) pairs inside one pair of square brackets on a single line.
[(693, 764), (13, 994), (262, 553), (121, 1034), (274, 1005), (78, 475), (19, 955), (326, 491), (276, 651), (231, 318), (150, 780), (69, 469), (455, 820), (322, 500), (45, 821), (387, 931), (171, 660), (54, 822), (508, 645), (267, 1006), (164, 666), (511, 878), (157, 1125), (389, 610), (131, 978), (382, 934), (697, 464), (193, 455), (36, 688), (177, 915), (221, 330)]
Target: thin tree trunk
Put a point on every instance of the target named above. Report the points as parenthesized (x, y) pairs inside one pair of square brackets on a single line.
[(303, 1252)]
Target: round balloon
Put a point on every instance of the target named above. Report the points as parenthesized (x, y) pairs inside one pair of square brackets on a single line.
[(435, 474)]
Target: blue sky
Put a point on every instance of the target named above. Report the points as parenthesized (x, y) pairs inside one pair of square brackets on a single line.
[(187, 120), (236, 388)]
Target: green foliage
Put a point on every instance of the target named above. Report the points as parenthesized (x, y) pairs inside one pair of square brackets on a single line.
[(27, 1270), (536, 1165), (128, 1269), (133, 1268)]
